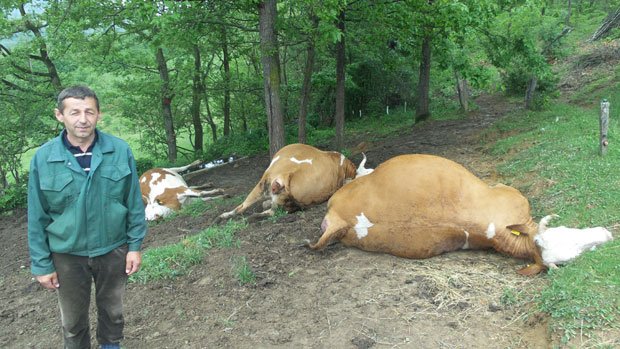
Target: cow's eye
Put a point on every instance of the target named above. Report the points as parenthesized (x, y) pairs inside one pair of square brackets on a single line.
[(158, 201)]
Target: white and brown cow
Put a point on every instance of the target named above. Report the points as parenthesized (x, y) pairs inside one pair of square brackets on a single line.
[(419, 206), (164, 191), (299, 176)]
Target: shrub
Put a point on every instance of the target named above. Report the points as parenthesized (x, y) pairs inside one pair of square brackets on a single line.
[(144, 164), (13, 197)]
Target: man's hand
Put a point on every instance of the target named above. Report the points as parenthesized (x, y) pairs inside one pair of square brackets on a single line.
[(134, 259), (49, 281)]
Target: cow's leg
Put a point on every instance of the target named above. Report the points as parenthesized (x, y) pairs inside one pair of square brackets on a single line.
[(202, 186), (207, 198), (267, 213), (211, 192), (267, 204), (333, 228), (255, 195), (184, 168), (553, 266)]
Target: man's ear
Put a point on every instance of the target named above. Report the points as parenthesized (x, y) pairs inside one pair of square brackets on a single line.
[(59, 115)]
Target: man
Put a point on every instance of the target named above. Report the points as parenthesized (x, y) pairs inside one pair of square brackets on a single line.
[(85, 220)]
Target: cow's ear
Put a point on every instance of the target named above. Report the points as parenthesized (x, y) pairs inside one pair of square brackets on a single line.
[(145, 200), (518, 229)]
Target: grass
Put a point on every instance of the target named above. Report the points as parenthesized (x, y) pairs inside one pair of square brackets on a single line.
[(583, 296), (242, 272), (558, 147), (197, 208), (175, 260), (277, 212)]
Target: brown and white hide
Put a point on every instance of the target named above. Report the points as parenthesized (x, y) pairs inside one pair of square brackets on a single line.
[(419, 206), (164, 191), (299, 176)]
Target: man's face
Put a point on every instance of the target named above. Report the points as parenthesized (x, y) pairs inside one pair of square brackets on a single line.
[(80, 117)]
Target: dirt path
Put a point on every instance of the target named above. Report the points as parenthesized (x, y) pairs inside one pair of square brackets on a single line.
[(337, 298)]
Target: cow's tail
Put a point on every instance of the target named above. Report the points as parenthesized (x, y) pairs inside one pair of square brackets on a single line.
[(333, 228), (361, 170)]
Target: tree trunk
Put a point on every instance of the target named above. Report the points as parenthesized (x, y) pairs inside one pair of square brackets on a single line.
[(43, 57), (423, 102), (284, 83), (210, 119), (463, 92), (267, 14), (226, 64), (306, 87), (603, 127), (340, 76), (197, 91), (243, 119), (166, 100), (206, 99), (529, 92), (3, 179)]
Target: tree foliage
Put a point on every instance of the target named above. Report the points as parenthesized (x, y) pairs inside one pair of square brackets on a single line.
[(114, 47)]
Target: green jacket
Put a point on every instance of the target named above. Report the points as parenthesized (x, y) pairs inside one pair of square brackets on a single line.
[(82, 214)]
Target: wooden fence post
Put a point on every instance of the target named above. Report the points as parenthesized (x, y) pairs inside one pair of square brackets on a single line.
[(604, 124)]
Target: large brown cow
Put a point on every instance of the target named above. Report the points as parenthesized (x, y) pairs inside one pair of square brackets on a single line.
[(299, 176), (418, 206)]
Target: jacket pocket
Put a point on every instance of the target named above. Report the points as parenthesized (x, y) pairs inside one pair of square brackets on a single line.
[(58, 190), (114, 180)]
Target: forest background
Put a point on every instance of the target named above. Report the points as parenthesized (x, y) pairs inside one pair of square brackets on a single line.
[(207, 79)]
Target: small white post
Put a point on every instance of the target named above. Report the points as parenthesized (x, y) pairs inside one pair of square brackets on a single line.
[(405, 106), (387, 109), (604, 123), (360, 113)]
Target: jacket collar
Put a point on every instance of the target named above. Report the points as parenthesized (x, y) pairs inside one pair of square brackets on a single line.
[(59, 151)]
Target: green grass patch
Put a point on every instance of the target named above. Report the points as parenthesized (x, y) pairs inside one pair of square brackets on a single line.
[(277, 212), (198, 207), (174, 260), (242, 271), (559, 148), (583, 295)]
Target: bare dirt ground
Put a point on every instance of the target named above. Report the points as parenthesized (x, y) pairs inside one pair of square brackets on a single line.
[(336, 298)]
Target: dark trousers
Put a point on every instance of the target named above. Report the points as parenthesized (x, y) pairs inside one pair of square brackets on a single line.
[(75, 275)]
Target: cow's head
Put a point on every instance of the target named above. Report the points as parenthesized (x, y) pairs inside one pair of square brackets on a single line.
[(172, 199), (157, 210)]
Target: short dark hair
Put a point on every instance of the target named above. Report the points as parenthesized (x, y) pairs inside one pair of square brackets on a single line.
[(77, 91)]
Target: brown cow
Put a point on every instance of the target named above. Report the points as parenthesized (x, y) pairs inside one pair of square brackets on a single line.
[(299, 176), (418, 206), (164, 191)]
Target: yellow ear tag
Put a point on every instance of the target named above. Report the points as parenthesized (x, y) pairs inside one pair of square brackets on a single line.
[(516, 232)]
